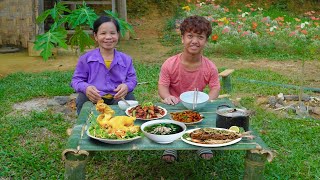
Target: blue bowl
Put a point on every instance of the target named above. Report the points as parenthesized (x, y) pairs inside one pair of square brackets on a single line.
[(187, 100)]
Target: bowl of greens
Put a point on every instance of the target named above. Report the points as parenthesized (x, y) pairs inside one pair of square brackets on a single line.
[(163, 131)]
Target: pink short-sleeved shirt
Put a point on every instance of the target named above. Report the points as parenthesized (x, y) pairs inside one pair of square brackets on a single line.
[(179, 79)]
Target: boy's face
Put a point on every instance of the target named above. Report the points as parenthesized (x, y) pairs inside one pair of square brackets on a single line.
[(194, 42)]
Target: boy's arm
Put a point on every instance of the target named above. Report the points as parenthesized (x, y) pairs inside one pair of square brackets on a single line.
[(165, 95), (213, 93)]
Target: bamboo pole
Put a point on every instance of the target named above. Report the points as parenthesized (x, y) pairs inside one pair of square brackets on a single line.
[(254, 166)]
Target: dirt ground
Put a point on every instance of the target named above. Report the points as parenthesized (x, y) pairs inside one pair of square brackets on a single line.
[(145, 46)]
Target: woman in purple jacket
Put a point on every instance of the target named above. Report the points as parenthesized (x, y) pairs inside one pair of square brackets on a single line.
[(104, 73)]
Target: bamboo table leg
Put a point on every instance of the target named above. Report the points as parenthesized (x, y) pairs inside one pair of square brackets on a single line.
[(75, 164), (254, 166)]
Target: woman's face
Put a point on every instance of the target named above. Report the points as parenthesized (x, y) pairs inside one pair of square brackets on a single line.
[(194, 42), (107, 36)]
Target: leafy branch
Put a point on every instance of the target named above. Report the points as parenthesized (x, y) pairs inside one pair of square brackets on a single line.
[(124, 26), (49, 40), (83, 15), (78, 20)]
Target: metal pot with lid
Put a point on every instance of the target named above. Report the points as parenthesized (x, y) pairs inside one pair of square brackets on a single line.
[(228, 116)]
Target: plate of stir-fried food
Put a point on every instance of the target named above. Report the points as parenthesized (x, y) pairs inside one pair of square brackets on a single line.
[(112, 129), (146, 111), (211, 137), (187, 117)]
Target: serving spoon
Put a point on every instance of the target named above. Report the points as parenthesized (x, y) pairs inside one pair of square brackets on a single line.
[(122, 98)]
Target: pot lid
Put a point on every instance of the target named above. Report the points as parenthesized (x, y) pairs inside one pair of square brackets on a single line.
[(232, 112)]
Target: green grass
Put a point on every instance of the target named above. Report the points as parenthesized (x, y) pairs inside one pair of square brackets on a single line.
[(31, 145), (23, 86), (294, 141), (277, 34)]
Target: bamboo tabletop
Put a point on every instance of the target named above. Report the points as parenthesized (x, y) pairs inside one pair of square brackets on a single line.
[(80, 141)]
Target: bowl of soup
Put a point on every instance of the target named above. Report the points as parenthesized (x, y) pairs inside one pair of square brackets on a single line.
[(163, 131)]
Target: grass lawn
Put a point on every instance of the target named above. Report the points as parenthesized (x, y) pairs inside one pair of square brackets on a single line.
[(31, 145)]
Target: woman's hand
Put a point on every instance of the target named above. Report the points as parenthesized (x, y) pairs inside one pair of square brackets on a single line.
[(171, 100), (93, 94), (122, 91)]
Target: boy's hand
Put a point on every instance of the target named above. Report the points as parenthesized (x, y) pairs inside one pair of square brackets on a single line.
[(171, 100)]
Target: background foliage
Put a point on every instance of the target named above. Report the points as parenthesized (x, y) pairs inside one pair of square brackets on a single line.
[(251, 30), (31, 144), (80, 20)]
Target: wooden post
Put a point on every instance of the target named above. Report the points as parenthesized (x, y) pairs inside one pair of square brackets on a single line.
[(122, 11), (226, 80), (39, 9), (254, 166), (113, 2)]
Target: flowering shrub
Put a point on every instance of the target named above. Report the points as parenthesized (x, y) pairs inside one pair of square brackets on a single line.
[(249, 31)]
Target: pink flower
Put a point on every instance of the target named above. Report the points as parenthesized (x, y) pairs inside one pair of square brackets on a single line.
[(245, 33), (293, 33), (314, 18), (265, 19), (225, 30)]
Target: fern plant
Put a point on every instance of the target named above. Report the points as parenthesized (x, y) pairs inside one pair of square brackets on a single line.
[(78, 20)]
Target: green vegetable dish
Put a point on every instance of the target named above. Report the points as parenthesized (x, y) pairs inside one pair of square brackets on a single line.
[(163, 129), (96, 131)]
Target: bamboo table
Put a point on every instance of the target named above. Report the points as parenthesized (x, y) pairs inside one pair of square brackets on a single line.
[(80, 145)]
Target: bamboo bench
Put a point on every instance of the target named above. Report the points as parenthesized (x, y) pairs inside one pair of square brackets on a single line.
[(226, 80)]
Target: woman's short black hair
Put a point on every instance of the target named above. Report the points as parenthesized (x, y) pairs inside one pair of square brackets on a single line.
[(196, 24), (102, 19)]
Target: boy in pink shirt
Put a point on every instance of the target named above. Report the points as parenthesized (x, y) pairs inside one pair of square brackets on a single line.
[(189, 70)]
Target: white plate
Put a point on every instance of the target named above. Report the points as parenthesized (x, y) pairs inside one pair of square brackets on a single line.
[(113, 141), (165, 113), (190, 122), (209, 145)]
